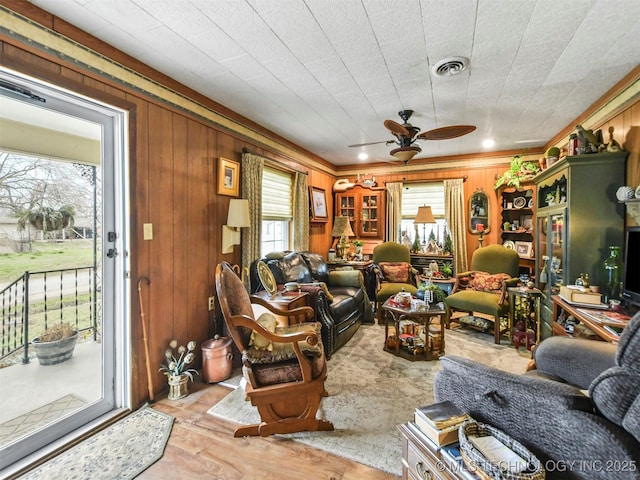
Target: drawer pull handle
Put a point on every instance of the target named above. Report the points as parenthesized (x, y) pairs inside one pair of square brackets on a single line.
[(422, 472)]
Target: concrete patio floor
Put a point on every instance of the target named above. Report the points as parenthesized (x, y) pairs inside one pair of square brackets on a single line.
[(27, 387)]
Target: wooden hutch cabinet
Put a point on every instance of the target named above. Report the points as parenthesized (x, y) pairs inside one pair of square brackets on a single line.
[(365, 207), (577, 218)]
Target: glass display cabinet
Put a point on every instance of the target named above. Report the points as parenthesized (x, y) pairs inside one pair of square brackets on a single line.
[(577, 218)]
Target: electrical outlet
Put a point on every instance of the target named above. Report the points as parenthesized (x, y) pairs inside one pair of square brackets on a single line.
[(212, 303)]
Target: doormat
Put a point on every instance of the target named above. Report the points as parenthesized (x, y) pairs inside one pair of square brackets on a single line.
[(120, 452), (31, 421)]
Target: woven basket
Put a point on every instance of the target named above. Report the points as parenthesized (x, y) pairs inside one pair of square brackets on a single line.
[(476, 462)]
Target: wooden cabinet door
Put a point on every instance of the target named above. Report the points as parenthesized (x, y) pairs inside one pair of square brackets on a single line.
[(366, 208)]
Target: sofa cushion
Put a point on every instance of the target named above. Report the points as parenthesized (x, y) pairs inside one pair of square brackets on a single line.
[(486, 282), (395, 272), (615, 393), (290, 268)]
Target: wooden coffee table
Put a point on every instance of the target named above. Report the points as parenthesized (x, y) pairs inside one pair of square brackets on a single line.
[(417, 333)]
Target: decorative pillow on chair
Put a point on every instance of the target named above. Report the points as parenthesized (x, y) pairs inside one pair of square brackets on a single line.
[(486, 282), (258, 341), (395, 272)]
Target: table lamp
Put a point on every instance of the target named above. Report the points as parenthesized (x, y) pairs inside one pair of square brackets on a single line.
[(342, 228), (424, 216)]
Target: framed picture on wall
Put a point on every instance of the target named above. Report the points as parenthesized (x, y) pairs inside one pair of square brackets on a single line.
[(228, 177), (318, 202)]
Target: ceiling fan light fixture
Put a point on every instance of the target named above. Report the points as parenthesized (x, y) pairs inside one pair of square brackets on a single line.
[(404, 154), (448, 67)]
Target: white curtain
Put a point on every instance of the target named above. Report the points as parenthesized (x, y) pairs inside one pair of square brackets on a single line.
[(454, 212), (394, 209)]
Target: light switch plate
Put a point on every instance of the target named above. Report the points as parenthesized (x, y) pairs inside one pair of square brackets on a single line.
[(147, 231)]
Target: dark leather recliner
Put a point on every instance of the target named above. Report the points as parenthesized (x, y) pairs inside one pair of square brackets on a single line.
[(341, 308)]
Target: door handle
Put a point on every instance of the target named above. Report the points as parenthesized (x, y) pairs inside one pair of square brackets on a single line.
[(112, 252)]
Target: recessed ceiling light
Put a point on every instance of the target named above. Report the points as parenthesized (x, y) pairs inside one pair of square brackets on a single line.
[(363, 156), (488, 143)]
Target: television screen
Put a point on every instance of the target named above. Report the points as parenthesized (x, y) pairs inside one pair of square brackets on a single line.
[(631, 277)]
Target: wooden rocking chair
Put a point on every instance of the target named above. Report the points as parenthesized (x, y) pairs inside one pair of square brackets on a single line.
[(284, 366)]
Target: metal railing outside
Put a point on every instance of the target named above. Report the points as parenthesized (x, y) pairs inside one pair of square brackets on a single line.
[(37, 300)]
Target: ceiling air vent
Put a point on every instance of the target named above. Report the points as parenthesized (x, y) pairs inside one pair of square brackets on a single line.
[(450, 66)]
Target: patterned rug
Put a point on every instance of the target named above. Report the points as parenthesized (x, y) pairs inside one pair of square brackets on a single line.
[(119, 452), (29, 422), (371, 392)]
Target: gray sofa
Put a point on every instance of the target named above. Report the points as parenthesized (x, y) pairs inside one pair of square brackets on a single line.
[(594, 435), (341, 308)]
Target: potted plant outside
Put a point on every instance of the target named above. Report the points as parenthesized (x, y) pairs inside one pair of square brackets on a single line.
[(56, 344), (178, 375)]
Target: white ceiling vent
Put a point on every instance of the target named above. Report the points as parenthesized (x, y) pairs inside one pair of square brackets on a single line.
[(450, 66)]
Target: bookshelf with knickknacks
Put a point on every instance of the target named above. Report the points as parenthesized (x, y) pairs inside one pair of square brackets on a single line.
[(517, 230)]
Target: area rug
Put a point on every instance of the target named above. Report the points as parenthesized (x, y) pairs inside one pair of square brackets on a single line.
[(371, 392), (121, 451), (31, 421)]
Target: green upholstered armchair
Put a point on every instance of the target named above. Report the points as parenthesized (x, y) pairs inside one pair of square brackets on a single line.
[(393, 272), (483, 289)]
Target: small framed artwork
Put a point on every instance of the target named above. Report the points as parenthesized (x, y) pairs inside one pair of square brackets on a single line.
[(228, 177), (524, 249), (527, 222), (318, 205)]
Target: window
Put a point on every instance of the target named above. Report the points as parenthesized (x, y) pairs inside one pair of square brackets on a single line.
[(416, 195), (277, 210)]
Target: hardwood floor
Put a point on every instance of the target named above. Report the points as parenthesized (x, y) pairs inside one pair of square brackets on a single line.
[(202, 446)]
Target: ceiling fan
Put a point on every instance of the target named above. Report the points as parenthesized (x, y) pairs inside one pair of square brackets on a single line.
[(407, 134)]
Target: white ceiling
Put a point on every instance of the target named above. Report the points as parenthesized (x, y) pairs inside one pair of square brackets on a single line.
[(326, 73)]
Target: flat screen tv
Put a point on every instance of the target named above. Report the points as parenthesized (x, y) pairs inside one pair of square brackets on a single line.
[(631, 276)]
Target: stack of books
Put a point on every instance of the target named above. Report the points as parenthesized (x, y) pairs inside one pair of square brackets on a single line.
[(440, 421)]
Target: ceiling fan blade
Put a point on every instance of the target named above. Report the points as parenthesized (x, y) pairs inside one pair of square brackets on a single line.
[(370, 143), (445, 133), (397, 129)]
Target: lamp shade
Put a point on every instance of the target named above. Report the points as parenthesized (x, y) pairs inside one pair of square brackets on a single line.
[(342, 227), (424, 215), (405, 154), (238, 213)]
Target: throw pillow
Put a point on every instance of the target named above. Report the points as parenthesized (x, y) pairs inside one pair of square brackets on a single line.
[(257, 340), (395, 272), (486, 282)]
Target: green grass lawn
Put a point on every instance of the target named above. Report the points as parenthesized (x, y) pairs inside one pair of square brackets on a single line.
[(46, 256)]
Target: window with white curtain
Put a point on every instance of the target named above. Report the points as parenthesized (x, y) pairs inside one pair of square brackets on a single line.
[(277, 210), (415, 195)]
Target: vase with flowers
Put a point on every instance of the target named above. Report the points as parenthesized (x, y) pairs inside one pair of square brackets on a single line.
[(175, 368), (358, 247)]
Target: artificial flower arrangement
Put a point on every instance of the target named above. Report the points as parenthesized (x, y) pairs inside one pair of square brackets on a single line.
[(358, 243), (178, 366)]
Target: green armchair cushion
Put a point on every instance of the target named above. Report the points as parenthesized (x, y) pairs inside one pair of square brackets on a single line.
[(388, 289), (475, 301)]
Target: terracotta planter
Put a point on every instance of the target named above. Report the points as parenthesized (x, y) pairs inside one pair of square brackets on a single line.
[(178, 386), (58, 351)]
